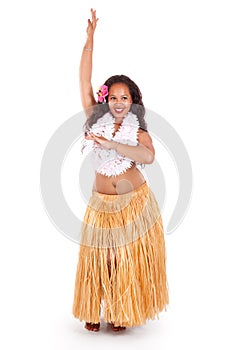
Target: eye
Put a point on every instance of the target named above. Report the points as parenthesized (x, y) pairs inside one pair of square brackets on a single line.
[(112, 98), (124, 98)]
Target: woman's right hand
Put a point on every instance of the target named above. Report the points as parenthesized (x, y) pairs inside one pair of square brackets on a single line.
[(92, 23)]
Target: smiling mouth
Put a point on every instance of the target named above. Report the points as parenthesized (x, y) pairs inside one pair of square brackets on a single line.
[(118, 110)]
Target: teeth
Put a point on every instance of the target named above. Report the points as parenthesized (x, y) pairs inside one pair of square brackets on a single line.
[(119, 109)]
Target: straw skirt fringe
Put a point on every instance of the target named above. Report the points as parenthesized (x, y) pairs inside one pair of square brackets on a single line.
[(122, 260)]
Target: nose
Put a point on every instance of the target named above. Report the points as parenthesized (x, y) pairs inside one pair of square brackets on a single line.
[(118, 103)]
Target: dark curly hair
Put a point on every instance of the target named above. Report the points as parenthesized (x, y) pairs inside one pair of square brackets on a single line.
[(137, 106)]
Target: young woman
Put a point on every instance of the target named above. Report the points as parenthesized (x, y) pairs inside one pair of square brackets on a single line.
[(122, 258)]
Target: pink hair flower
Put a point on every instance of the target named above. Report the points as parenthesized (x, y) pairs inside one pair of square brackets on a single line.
[(102, 93)]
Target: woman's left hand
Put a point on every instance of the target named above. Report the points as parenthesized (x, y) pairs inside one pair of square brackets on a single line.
[(100, 140)]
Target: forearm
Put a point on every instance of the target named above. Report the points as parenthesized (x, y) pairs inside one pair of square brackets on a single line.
[(139, 153), (85, 69)]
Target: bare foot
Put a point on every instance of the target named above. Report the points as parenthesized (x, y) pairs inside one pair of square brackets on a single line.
[(116, 328), (92, 326)]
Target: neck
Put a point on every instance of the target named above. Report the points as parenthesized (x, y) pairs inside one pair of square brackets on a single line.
[(118, 120)]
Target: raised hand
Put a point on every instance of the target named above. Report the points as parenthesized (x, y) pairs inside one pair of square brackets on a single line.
[(92, 23)]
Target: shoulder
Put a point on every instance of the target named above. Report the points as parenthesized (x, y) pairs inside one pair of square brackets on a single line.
[(145, 138), (140, 130), (143, 134)]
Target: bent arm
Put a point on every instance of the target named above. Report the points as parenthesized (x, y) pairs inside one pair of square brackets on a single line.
[(140, 153), (143, 153)]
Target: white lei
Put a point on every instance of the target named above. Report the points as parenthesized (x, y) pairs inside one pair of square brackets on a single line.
[(107, 161)]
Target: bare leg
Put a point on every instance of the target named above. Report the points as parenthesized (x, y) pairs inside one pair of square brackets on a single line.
[(109, 262)]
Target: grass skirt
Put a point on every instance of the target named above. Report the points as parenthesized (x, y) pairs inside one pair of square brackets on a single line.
[(122, 259)]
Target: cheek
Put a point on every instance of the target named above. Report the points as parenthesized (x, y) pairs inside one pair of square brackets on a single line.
[(128, 104), (111, 108)]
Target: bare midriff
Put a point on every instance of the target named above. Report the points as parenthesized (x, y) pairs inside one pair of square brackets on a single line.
[(120, 184)]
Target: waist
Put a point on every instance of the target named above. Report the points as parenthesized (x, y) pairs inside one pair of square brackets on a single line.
[(119, 184)]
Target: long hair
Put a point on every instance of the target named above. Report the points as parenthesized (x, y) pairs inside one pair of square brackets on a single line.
[(137, 106)]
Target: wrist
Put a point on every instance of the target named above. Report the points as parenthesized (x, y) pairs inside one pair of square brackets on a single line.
[(114, 144), (90, 40), (88, 45)]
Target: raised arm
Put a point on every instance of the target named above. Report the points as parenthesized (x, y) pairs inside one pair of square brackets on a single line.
[(85, 69)]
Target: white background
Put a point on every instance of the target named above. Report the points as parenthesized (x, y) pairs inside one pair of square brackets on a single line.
[(180, 54)]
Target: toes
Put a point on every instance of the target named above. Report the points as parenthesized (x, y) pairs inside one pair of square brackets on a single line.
[(88, 326), (116, 328), (92, 326)]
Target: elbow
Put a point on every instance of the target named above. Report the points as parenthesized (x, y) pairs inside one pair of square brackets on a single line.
[(149, 158)]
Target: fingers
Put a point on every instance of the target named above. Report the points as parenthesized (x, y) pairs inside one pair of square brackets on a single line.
[(98, 139), (93, 16), (91, 136), (94, 137)]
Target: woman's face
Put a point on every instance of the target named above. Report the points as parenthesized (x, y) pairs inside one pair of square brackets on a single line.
[(119, 100)]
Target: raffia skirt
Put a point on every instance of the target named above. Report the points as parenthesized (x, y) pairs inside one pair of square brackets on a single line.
[(121, 268)]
